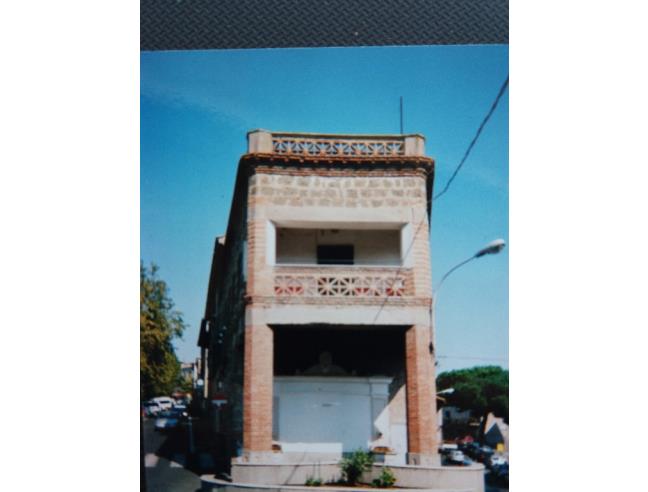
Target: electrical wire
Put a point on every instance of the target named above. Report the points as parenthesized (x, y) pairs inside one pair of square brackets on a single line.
[(474, 140), (454, 174)]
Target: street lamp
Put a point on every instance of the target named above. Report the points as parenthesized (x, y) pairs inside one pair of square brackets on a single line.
[(491, 248), (447, 391)]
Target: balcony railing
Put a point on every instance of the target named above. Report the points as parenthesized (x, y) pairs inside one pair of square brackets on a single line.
[(336, 146), (366, 282), (320, 145)]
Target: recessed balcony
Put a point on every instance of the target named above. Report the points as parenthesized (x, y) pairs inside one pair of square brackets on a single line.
[(354, 263)]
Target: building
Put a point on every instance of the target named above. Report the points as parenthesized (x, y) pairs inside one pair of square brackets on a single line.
[(496, 433), (316, 335), (188, 372)]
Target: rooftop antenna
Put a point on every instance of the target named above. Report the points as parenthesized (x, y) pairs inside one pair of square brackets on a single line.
[(401, 115)]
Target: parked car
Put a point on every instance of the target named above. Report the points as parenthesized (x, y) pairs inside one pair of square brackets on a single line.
[(471, 449), (483, 454), (165, 402), (151, 409), (167, 420), (499, 475), (456, 457), (446, 448), (496, 460)]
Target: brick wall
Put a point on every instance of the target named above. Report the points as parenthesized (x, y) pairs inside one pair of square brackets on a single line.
[(257, 392), (421, 394)]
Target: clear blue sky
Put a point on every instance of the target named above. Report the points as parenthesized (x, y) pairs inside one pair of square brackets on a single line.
[(196, 108)]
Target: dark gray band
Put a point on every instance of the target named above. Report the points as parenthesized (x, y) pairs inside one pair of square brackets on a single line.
[(207, 24)]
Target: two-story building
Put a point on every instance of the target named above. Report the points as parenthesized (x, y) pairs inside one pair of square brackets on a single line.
[(317, 330)]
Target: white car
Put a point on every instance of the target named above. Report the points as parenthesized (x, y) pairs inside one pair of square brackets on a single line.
[(165, 402), (151, 409), (497, 459), (456, 456)]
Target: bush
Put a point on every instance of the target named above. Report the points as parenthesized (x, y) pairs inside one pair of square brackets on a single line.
[(355, 465), (313, 482), (386, 479)]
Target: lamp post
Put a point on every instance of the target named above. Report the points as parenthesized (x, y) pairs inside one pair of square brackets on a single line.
[(491, 248), (447, 391)]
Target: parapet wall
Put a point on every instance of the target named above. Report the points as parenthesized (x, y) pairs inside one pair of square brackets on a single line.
[(455, 478)]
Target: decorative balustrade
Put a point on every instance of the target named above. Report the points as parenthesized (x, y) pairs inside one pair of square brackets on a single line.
[(346, 282), (337, 146)]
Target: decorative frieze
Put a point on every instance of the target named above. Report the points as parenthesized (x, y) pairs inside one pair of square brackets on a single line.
[(336, 146), (322, 283)]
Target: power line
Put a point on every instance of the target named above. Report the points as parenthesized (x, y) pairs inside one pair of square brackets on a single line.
[(400, 267), (461, 163), (474, 140)]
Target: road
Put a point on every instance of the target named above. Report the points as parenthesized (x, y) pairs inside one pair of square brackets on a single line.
[(167, 463)]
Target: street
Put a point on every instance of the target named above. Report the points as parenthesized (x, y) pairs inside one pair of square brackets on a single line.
[(167, 461)]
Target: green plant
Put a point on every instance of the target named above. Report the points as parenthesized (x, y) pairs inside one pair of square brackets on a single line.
[(385, 479), (355, 465), (313, 482)]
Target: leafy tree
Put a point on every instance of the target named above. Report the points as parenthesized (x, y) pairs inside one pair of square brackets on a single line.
[(479, 389), (160, 324)]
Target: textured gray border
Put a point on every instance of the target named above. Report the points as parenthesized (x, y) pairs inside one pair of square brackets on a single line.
[(205, 24)]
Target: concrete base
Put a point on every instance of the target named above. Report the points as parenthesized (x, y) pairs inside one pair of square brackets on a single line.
[(285, 473), (435, 477), (278, 475), (419, 459), (209, 484)]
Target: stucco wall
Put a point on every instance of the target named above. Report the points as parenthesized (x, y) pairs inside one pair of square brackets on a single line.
[(226, 331), (371, 247), (336, 413)]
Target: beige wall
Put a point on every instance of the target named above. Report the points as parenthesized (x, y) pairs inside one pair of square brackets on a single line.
[(331, 202), (371, 247)]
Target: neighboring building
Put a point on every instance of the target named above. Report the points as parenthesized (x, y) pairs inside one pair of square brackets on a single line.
[(452, 423), (188, 372), (316, 335), (496, 433), (455, 415)]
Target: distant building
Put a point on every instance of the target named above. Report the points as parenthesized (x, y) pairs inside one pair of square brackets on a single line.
[(455, 415), (496, 432), (316, 334), (188, 372), (453, 423)]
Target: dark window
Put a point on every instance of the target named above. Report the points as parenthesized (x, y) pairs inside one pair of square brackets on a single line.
[(339, 254)]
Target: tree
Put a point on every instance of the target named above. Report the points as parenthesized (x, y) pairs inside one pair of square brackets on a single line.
[(479, 389), (160, 324)]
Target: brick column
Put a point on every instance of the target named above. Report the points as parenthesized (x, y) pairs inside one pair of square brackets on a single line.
[(257, 392), (421, 398)]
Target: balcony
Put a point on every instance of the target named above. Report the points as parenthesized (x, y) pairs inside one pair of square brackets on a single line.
[(342, 282)]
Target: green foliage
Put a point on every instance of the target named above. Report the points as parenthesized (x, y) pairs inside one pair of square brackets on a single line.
[(313, 482), (479, 389), (385, 479), (159, 325), (355, 465)]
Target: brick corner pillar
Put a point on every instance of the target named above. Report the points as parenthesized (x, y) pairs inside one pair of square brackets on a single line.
[(421, 399), (257, 393)]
